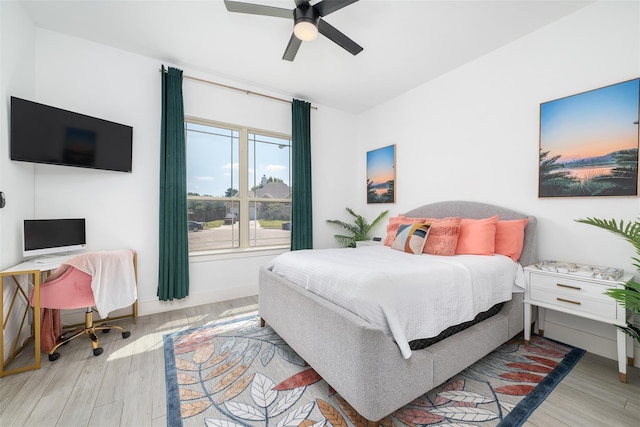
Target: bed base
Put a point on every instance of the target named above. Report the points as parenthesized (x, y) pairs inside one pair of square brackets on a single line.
[(363, 364)]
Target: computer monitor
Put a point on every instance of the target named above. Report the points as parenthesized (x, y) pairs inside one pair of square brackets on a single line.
[(53, 236)]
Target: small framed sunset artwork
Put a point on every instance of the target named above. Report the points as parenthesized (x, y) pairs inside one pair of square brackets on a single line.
[(381, 175), (589, 143)]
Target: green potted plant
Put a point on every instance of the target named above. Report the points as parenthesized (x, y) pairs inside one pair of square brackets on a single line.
[(629, 297), (359, 230)]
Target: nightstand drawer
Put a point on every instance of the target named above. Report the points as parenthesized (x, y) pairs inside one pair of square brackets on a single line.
[(576, 300), (573, 294), (571, 287)]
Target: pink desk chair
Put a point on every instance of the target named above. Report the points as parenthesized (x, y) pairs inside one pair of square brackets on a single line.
[(70, 290)]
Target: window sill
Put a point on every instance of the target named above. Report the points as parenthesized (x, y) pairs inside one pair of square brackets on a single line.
[(221, 254)]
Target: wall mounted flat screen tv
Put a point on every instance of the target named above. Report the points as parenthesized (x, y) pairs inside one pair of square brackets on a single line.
[(45, 134), (53, 236)]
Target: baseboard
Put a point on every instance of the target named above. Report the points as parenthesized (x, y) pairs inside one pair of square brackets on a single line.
[(153, 307)]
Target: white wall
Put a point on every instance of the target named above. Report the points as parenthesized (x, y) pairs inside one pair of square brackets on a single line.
[(472, 134), (17, 64), (121, 208), (17, 68)]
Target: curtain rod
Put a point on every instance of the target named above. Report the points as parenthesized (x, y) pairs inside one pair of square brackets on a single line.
[(248, 92)]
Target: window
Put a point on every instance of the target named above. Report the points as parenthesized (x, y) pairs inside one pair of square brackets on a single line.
[(238, 187)]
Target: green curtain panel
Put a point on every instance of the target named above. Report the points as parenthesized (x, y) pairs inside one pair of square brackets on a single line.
[(301, 210), (173, 262)]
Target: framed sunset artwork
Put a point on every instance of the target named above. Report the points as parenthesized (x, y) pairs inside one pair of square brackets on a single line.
[(381, 175), (589, 143)]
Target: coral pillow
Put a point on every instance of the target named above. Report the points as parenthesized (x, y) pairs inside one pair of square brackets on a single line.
[(510, 237), (477, 236), (395, 222), (443, 236), (411, 238)]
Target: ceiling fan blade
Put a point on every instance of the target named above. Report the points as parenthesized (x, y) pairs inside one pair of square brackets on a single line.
[(337, 37), (292, 48), (258, 9), (326, 7)]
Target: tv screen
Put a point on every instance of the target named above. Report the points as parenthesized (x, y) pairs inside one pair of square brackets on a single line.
[(51, 236), (45, 134)]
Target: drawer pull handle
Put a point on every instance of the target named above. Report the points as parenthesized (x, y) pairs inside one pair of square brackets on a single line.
[(569, 301), (577, 288)]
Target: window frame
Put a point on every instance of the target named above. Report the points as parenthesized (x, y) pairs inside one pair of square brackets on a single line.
[(242, 197)]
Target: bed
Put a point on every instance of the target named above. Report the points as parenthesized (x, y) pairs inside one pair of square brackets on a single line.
[(359, 359)]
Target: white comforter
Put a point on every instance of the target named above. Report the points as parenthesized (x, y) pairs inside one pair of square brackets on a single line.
[(407, 296)]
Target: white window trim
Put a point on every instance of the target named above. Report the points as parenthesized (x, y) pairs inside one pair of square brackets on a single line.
[(243, 192)]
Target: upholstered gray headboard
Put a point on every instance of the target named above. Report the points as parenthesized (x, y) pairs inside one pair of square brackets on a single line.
[(478, 210)]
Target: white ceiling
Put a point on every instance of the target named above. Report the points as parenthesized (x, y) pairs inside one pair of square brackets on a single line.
[(406, 43)]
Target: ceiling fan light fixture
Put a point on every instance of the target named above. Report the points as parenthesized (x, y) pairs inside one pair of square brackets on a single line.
[(305, 31)]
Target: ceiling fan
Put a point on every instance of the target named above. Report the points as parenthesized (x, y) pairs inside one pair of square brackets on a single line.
[(307, 20)]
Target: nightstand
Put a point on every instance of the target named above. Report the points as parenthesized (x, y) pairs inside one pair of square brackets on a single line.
[(362, 243), (581, 296)]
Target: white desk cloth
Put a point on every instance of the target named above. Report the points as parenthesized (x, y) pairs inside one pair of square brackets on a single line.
[(113, 278)]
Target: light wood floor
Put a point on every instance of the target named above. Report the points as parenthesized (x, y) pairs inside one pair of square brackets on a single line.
[(125, 386)]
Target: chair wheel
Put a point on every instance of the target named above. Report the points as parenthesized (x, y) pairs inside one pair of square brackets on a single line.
[(106, 331), (97, 351), (53, 357), (126, 334)]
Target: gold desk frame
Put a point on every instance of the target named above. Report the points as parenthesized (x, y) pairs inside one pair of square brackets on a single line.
[(38, 278)]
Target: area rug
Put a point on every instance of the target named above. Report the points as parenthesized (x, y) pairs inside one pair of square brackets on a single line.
[(236, 373)]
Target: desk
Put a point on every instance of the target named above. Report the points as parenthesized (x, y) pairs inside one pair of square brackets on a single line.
[(38, 273)]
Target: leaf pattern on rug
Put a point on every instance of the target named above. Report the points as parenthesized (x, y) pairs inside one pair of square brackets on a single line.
[(545, 361), (304, 378), (236, 389), (531, 367), (414, 416), (228, 379), (241, 374), (193, 408), (522, 377), (516, 390), (186, 394), (331, 414), (466, 413)]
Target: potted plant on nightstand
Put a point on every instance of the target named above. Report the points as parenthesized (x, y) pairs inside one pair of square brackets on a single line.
[(359, 230), (629, 297)]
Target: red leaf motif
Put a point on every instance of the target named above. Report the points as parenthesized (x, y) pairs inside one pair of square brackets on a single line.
[(300, 379), (439, 400), (531, 367), (188, 347), (421, 401), (469, 404), (523, 377), (543, 361), (417, 416), (516, 390), (454, 385), (331, 414)]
